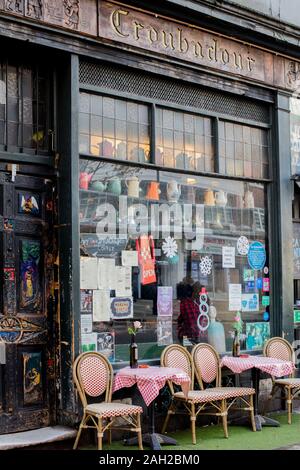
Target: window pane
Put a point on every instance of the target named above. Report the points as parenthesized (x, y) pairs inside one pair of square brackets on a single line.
[(117, 128), (188, 136), (244, 144)]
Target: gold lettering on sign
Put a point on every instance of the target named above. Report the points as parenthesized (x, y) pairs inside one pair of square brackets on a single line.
[(116, 22), (238, 61), (152, 35), (183, 45), (175, 40), (198, 49), (168, 40), (137, 27)]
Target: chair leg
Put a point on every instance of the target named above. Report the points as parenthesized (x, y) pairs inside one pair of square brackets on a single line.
[(224, 418), (170, 412), (139, 433), (193, 423), (79, 432), (252, 414), (99, 433), (109, 435), (289, 404)]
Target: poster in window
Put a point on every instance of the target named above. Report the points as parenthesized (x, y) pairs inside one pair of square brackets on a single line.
[(165, 301), (106, 344), (121, 308), (164, 331), (89, 342), (86, 301), (257, 334)]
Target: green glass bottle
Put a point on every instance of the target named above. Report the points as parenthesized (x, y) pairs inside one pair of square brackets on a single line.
[(133, 353), (236, 345)]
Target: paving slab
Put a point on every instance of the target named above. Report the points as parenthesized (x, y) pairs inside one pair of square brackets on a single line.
[(35, 437)]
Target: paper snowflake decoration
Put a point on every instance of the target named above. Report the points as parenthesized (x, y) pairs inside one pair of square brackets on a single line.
[(243, 245), (170, 247), (206, 264)]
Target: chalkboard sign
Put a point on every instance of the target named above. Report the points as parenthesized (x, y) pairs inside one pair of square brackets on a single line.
[(91, 245)]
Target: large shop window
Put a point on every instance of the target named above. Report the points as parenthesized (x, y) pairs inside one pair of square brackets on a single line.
[(180, 252), (24, 108)]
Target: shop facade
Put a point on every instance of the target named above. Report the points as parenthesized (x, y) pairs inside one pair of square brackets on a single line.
[(146, 176)]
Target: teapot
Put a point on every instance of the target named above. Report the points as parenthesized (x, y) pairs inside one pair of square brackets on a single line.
[(153, 191), (173, 191), (209, 197), (114, 186), (84, 179), (249, 199), (221, 198), (133, 186)]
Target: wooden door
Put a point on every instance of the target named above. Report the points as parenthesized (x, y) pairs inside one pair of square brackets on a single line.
[(27, 378)]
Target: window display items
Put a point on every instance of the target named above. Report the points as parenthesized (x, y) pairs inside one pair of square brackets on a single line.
[(206, 265), (249, 200), (221, 198), (169, 247), (215, 331), (209, 198), (153, 191), (146, 253), (84, 180), (243, 245), (187, 323), (114, 186), (98, 186), (133, 186), (173, 191), (203, 318)]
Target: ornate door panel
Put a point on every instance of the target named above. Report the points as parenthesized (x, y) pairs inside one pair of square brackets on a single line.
[(27, 302)]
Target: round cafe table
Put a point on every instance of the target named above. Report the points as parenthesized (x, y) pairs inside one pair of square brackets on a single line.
[(149, 381), (269, 365)]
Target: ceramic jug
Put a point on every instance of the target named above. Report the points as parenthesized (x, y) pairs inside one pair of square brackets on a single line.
[(84, 180), (221, 198), (153, 191), (133, 186), (173, 191), (98, 186), (114, 186), (249, 199), (209, 198)]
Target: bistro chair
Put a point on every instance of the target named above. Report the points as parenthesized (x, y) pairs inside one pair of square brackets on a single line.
[(197, 401), (280, 348), (93, 375), (206, 361)]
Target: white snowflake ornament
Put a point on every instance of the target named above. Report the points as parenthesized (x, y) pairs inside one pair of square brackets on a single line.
[(169, 247), (243, 245), (206, 264)]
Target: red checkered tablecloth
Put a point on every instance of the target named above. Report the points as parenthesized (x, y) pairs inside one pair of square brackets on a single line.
[(270, 365), (149, 381)]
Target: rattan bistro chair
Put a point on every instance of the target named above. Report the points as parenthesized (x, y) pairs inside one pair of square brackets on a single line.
[(198, 400), (280, 348), (93, 375), (206, 361)]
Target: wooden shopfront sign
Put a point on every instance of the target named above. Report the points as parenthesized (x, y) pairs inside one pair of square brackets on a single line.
[(154, 33)]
